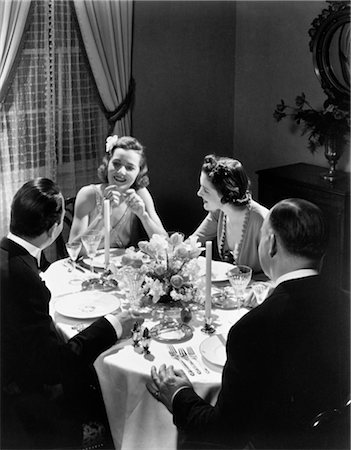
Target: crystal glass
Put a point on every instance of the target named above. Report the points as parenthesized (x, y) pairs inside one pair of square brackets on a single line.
[(91, 241), (239, 277), (133, 279), (73, 249), (260, 290)]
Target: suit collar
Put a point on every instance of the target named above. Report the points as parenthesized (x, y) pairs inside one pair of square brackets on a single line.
[(16, 250)]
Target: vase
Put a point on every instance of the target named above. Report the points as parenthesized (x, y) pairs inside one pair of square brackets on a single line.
[(333, 149)]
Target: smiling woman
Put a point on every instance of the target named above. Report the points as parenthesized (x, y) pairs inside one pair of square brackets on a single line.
[(124, 178)]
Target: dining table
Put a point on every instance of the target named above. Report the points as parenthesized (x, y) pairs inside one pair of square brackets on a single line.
[(137, 420)]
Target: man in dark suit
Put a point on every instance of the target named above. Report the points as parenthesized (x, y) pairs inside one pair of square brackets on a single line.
[(287, 359), (48, 387)]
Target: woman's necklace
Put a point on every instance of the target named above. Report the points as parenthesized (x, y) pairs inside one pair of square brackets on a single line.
[(232, 256)]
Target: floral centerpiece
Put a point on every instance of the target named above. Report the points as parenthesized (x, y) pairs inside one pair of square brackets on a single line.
[(172, 272), (331, 123), (164, 270)]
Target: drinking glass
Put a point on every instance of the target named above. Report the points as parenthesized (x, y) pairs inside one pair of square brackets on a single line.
[(261, 291), (133, 279), (239, 277), (73, 249), (91, 241)]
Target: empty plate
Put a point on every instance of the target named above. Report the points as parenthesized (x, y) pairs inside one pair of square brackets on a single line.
[(213, 350), (87, 305)]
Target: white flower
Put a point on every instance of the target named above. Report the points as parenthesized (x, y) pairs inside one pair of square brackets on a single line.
[(111, 142)]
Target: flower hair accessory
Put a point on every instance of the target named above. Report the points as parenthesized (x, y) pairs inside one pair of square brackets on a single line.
[(111, 141)]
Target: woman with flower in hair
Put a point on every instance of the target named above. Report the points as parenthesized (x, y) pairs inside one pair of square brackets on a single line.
[(233, 219), (124, 181)]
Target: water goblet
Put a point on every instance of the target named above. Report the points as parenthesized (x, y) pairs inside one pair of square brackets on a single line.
[(91, 241), (73, 248), (133, 279), (239, 277)]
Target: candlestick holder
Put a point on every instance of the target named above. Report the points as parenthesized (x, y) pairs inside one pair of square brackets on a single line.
[(208, 328)]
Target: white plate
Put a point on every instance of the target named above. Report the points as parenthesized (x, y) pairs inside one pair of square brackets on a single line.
[(87, 305), (219, 269), (213, 349), (99, 260)]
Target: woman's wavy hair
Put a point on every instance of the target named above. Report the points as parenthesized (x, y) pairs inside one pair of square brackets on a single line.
[(229, 179), (126, 143)]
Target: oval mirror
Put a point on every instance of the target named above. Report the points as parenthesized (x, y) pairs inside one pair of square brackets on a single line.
[(330, 45)]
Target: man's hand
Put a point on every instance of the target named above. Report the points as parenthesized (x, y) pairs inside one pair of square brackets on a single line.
[(165, 383), (127, 319)]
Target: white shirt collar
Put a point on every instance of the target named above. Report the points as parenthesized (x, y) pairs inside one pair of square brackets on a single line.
[(301, 273), (32, 249)]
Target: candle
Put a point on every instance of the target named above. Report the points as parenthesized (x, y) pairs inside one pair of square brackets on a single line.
[(107, 231), (208, 299)]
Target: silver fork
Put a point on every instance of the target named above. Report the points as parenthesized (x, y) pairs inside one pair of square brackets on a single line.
[(184, 355), (174, 354), (193, 355)]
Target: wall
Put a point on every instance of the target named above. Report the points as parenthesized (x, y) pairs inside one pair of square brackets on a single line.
[(209, 75), (183, 64), (273, 62)]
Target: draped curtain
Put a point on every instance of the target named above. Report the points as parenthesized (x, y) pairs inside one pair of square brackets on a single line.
[(51, 123), (106, 29), (13, 19)]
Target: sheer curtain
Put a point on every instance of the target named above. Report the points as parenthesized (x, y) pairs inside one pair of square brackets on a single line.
[(26, 138), (106, 28), (51, 123), (13, 19)]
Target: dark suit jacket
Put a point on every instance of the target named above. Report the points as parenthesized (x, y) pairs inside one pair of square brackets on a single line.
[(287, 360), (33, 355)]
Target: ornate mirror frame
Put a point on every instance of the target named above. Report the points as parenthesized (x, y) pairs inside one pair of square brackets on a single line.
[(330, 45)]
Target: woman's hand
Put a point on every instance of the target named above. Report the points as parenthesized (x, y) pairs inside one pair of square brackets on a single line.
[(112, 193), (135, 202)]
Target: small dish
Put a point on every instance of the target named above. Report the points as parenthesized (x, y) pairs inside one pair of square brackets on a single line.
[(171, 334), (213, 350)]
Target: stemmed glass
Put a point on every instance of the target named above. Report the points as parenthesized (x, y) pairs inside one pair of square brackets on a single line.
[(73, 249), (91, 241), (239, 277)]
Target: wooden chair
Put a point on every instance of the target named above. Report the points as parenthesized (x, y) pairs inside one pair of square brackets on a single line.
[(67, 223)]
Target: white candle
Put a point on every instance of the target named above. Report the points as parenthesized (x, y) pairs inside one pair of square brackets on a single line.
[(107, 231), (208, 299)]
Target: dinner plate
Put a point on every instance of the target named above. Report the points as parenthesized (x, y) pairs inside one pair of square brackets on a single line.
[(99, 260), (87, 305), (213, 350), (219, 269)]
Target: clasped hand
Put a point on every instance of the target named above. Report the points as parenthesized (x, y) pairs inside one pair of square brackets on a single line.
[(132, 199), (165, 383)]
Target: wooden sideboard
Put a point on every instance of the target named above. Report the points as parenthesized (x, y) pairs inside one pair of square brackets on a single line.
[(305, 181)]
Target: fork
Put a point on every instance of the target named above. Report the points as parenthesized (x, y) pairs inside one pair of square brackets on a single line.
[(193, 355), (183, 354), (174, 354)]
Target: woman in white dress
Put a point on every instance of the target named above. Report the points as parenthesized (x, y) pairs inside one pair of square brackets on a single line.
[(124, 178)]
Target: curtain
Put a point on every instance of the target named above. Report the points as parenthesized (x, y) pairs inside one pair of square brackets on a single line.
[(106, 29), (51, 123), (13, 18)]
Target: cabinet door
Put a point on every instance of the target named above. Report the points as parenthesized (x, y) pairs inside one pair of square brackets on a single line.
[(336, 265)]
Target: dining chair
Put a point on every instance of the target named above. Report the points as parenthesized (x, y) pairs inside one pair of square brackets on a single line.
[(330, 429), (67, 223)]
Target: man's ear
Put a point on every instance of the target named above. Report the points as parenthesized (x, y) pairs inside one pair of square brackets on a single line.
[(52, 230), (272, 245)]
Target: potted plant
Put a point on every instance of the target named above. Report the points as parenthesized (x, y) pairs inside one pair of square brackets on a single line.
[(328, 127)]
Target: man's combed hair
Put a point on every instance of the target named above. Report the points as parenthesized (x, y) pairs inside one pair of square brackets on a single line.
[(35, 208), (301, 227)]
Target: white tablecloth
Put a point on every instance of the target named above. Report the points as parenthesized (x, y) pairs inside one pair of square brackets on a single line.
[(136, 419)]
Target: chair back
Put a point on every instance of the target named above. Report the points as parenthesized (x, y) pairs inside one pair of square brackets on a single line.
[(67, 223), (331, 429)]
